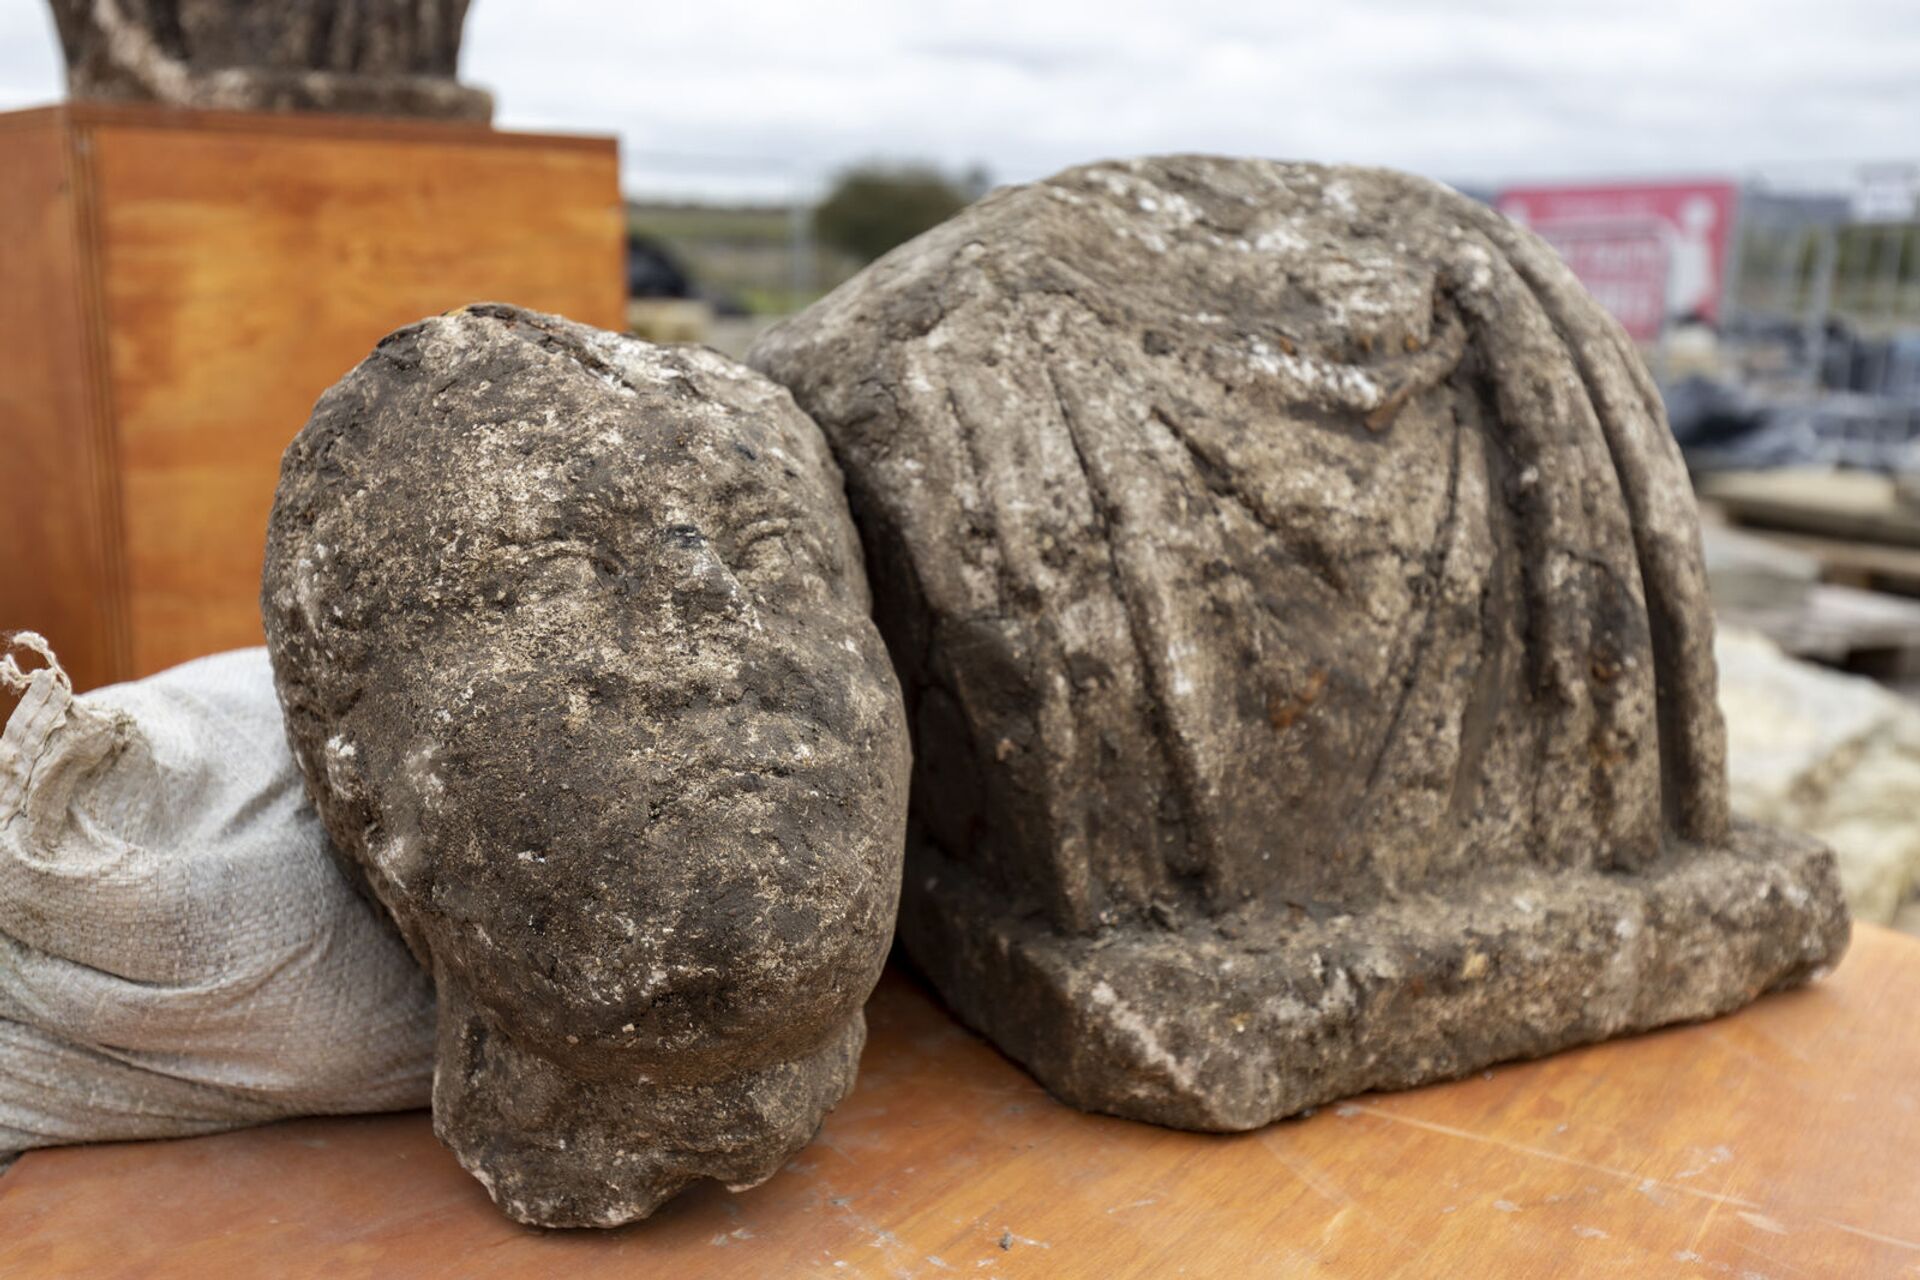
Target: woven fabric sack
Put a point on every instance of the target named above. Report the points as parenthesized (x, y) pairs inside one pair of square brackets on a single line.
[(178, 951)]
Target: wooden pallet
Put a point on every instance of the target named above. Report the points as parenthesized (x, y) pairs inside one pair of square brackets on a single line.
[(1873, 566), (1849, 506), (1863, 631)]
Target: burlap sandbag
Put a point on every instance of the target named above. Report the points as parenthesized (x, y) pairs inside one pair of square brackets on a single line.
[(178, 952)]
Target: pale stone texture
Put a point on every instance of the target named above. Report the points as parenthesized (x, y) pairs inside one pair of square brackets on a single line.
[(574, 645), (1299, 604), (368, 57), (1834, 755)]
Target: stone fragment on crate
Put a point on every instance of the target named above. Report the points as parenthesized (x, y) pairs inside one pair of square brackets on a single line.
[(361, 57)]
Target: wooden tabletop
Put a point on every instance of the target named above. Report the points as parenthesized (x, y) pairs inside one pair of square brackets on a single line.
[(1783, 1142)]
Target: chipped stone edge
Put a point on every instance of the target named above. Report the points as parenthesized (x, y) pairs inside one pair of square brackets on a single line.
[(1513, 964)]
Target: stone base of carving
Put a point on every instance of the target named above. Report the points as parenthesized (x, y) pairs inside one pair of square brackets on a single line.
[(1231, 1022)]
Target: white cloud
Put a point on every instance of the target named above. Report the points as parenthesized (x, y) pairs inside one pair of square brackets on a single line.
[(30, 73), (761, 98)]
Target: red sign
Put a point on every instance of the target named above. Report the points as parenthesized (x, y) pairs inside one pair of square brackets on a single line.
[(1651, 253)]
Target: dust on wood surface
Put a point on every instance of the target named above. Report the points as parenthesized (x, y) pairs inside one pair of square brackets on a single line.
[(1776, 1142)]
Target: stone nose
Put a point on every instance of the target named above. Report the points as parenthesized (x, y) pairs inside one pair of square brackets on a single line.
[(700, 585)]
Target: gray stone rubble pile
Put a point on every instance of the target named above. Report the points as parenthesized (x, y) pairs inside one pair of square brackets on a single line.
[(1834, 755)]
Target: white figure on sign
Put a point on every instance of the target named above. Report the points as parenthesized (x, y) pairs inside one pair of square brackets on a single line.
[(1690, 265)]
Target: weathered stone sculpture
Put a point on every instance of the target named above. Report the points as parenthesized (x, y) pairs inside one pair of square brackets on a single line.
[(573, 641), (375, 57), (1298, 600)]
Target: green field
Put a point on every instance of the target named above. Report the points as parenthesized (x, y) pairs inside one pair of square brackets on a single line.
[(743, 252)]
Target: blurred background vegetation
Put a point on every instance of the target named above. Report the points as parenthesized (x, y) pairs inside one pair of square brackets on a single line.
[(720, 273)]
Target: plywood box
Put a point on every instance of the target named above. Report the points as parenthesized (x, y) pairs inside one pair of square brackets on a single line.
[(178, 287)]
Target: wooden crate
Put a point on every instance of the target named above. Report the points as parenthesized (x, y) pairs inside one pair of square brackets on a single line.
[(176, 289)]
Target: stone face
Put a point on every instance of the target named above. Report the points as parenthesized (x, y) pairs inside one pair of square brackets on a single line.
[(1299, 604), (368, 57), (574, 645)]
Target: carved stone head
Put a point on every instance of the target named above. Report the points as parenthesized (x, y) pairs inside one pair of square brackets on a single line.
[(573, 642)]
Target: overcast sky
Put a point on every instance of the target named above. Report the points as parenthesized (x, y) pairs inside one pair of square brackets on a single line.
[(760, 98)]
